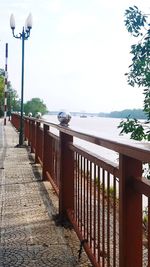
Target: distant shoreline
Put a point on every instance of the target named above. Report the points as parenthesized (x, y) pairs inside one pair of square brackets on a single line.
[(133, 113)]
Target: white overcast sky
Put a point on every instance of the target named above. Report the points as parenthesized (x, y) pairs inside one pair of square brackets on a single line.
[(76, 56)]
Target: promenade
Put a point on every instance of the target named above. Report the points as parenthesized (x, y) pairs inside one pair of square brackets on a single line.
[(29, 234)]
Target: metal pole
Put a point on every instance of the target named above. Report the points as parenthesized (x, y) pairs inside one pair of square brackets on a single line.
[(6, 81), (22, 36), (22, 92)]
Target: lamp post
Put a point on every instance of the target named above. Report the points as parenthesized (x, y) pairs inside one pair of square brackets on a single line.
[(24, 35)]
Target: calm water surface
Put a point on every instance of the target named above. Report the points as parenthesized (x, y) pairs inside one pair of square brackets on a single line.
[(106, 127), (101, 127)]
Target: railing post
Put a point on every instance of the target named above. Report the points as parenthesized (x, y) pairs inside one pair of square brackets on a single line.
[(37, 126), (17, 122), (12, 119), (45, 152), (24, 128), (66, 187), (28, 129), (32, 130), (130, 214)]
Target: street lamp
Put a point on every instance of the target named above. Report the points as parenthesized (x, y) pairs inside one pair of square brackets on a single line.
[(23, 36)]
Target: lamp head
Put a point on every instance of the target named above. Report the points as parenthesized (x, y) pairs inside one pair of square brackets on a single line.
[(12, 22), (29, 22)]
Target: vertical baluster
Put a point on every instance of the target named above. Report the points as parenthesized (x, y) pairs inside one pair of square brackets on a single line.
[(84, 197), (76, 186), (108, 219), (103, 216), (79, 158), (81, 194), (149, 232), (94, 221), (55, 158), (87, 199), (98, 214), (114, 222), (58, 163), (90, 204)]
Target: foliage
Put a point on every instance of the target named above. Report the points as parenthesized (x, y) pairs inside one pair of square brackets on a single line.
[(134, 113), (12, 97), (145, 221), (137, 24), (135, 20), (35, 105), (136, 128), (13, 102), (139, 71), (139, 74)]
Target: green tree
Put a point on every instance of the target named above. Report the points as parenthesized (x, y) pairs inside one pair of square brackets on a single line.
[(35, 105), (13, 102), (139, 70), (12, 97), (139, 74), (137, 24)]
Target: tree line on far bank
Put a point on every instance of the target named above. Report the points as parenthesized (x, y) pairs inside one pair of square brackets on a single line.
[(14, 103), (132, 113), (123, 114)]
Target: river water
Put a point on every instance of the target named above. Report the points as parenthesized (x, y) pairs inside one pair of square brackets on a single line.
[(97, 126), (93, 125)]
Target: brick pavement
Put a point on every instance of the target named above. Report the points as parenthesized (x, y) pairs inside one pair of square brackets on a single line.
[(28, 233)]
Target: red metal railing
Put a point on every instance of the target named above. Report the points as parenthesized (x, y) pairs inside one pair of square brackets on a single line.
[(96, 206), (104, 201), (15, 120)]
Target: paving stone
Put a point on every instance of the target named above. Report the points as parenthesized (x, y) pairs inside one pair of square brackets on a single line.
[(29, 236)]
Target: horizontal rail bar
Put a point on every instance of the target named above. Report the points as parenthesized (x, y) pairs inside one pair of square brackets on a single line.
[(53, 136), (142, 186)]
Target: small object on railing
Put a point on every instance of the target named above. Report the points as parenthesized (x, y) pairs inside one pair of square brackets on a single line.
[(81, 247), (20, 113), (64, 118), (38, 115), (30, 114)]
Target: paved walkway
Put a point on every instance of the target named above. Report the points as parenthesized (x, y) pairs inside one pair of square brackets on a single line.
[(29, 236)]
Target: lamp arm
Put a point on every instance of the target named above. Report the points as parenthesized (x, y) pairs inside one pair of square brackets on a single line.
[(17, 36), (24, 35)]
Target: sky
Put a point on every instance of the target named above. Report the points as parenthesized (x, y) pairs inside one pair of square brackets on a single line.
[(76, 56)]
